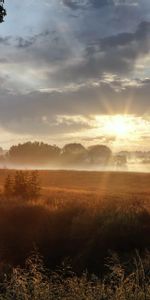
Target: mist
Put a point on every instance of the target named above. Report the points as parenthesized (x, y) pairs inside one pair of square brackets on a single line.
[(129, 167), (73, 156)]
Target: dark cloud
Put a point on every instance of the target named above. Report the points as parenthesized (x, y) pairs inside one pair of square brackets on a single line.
[(146, 81), (73, 55), (6, 41), (73, 4), (29, 42), (76, 62), (97, 4), (84, 4), (115, 54), (101, 3), (142, 34), (47, 47)]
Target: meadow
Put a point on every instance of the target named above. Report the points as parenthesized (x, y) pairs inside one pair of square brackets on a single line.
[(79, 222)]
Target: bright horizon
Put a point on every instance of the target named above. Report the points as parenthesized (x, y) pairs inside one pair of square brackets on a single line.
[(119, 132)]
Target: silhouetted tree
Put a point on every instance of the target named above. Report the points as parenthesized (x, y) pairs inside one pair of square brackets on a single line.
[(33, 154), (100, 154), (120, 160), (3, 12), (41, 154), (73, 154)]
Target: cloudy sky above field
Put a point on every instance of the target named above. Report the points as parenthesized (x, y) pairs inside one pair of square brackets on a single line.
[(76, 70)]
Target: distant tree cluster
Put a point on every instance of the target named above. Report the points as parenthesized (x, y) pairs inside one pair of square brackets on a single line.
[(73, 154), (33, 153), (25, 185)]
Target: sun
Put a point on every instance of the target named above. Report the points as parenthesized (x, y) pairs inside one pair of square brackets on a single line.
[(119, 126)]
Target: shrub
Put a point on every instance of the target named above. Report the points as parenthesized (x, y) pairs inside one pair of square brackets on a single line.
[(24, 185), (8, 187)]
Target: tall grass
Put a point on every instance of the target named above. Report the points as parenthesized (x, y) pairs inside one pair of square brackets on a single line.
[(82, 229), (79, 228), (33, 282)]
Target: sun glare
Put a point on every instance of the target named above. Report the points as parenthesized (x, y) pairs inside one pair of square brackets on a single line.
[(119, 126)]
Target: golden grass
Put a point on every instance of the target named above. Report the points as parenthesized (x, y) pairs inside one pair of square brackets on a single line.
[(91, 181), (81, 215), (34, 282)]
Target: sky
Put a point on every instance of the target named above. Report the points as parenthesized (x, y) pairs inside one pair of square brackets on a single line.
[(76, 71)]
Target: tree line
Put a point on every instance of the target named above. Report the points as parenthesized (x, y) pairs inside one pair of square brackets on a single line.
[(39, 153)]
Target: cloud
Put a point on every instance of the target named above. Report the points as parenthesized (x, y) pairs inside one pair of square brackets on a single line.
[(142, 34), (57, 65), (97, 4), (29, 42), (74, 53), (116, 54), (71, 110), (5, 40), (100, 139), (73, 4), (101, 3)]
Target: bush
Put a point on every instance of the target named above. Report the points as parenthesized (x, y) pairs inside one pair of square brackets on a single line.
[(24, 185)]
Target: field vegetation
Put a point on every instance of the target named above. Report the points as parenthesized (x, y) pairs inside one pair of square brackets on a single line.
[(34, 282), (80, 220)]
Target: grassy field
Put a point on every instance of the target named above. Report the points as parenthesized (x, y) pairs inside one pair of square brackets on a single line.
[(81, 218), (93, 182), (82, 208)]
